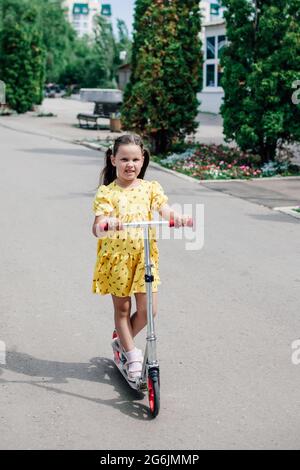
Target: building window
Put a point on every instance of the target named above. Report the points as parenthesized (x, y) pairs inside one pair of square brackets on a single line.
[(210, 47), (220, 75), (212, 69), (210, 75), (80, 9), (106, 10), (214, 9), (221, 43)]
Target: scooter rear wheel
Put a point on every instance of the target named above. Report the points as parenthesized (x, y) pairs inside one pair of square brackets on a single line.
[(154, 393)]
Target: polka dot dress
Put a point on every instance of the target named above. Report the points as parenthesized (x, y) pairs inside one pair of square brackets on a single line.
[(119, 268)]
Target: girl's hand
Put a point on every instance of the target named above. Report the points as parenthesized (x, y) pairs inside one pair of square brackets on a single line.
[(107, 223), (114, 223), (182, 220)]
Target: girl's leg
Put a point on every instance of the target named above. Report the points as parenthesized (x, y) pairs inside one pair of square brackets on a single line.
[(139, 318), (122, 307)]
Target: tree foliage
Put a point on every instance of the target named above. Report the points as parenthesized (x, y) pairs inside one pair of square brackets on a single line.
[(59, 37), (261, 62), (160, 101), (38, 45), (22, 56), (94, 63)]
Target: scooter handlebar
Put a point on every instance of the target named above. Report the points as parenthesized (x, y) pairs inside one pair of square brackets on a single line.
[(104, 226)]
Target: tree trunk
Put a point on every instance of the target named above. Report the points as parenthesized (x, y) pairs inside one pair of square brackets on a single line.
[(160, 141), (268, 152)]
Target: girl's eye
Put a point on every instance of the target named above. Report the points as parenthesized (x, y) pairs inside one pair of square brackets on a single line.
[(125, 159)]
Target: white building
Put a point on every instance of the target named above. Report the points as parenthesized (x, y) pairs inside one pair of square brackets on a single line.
[(213, 39), (82, 14)]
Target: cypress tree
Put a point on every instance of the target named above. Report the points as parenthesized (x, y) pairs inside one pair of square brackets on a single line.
[(160, 101), (261, 62), (22, 58), (106, 50), (59, 37)]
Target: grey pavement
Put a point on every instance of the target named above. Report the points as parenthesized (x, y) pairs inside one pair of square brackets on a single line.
[(64, 125), (228, 315), (271, 192)]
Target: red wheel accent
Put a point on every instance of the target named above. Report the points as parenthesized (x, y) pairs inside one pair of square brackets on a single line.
[(151, 395), (154, 392)]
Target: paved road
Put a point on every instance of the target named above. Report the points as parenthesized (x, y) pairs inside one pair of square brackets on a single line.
[(228, 314)]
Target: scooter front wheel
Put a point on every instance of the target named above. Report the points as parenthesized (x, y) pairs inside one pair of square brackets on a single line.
[(154, 392)]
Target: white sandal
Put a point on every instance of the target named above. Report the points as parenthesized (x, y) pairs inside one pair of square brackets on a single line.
[(133, 364)]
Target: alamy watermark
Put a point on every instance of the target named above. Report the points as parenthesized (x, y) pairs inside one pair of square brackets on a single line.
[(194, 235), (296, 354), (2, 93), (296, 94), (2, 353)]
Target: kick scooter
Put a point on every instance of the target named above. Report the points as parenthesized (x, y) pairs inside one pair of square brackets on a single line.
[(149, 379)]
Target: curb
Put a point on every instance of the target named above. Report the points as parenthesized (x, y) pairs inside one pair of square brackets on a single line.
[(288, 210), (91, 146)]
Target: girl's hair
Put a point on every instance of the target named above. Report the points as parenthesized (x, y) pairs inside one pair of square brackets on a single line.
[(109, 174)]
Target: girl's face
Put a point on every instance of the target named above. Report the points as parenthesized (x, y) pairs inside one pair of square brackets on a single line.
[(128, 161)]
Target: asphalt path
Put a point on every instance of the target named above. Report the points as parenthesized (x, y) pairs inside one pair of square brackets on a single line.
[(228, 315)]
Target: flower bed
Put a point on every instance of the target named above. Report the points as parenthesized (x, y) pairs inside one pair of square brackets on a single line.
[(222, 162)]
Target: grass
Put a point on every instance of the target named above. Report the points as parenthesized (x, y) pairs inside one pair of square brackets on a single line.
[(42, 114)]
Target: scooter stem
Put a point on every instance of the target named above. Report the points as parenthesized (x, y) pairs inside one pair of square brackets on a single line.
[(151, 338)]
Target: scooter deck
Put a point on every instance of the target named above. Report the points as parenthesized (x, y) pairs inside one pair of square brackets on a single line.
[(139, 384)]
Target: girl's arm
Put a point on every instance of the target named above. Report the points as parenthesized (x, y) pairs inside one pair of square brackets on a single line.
[(168, 213)]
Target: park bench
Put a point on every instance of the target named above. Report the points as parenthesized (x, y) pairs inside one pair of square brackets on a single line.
[(106, 103), (85, 120)]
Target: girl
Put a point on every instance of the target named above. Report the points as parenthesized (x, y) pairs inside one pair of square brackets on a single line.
[(125, 196)]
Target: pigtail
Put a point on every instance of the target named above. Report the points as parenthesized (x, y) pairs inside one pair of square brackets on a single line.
[(146, 154), (108, 174)]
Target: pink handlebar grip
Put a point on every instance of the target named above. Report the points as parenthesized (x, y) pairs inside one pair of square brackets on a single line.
[(188, 224)]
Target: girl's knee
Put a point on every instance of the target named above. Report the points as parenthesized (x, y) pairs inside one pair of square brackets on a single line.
[(122, 312), (122, 307)]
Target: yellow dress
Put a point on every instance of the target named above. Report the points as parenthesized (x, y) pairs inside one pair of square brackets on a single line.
[(119, 268)]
